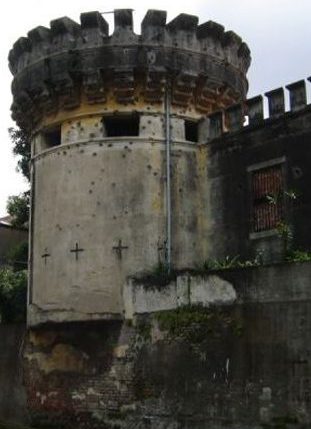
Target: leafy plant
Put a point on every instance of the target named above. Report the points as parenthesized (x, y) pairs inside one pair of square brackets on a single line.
[(18, 209), (158, 277), (231, 262), (13, 295), (21, 147), (18, 256), (298, 256)]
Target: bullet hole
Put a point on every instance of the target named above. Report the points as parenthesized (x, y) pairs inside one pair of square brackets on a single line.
[(126, 212), (79, 124), (69, 171), (297, 172), (125, 147), (77, 225), (90, 191), (64, 152), (114, 217), (113, 184), (94, 154), (148, 108), (91, 135), (100, 144), (123, 156), (77, 145), (110, 145), (155, 173), (102, 170), (93, 183), (98, 203), (143, 127), (81, 150), (93, 215), (149, 122), (149, 167), (180, 190), (130, 142)]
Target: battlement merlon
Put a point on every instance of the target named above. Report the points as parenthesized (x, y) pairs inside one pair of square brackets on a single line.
[(54, 67), (232, 118)]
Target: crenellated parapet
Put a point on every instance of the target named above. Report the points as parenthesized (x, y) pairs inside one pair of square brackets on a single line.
[(233, 118), (60, 67)]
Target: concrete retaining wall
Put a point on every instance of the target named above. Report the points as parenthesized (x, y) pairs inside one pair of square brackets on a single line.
[(12, 393)]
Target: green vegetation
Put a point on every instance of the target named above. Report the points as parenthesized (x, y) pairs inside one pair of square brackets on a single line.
[(158, 277), (298, 256), (21, 148), (13, 295), (18, 205), (197, 323), (229, 262), (17, 256), (18, 209)]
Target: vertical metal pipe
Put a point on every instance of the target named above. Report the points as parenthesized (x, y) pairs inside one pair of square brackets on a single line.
[(168, 176), (31, 230)]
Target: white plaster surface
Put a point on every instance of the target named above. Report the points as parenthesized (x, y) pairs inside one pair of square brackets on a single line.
[(186, 290)]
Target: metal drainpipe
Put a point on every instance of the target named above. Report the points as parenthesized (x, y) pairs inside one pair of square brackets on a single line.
[(168, 177)]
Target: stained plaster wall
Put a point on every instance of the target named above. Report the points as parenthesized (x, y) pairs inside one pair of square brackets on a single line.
[(286, 138), (94, 191), (236, 365)]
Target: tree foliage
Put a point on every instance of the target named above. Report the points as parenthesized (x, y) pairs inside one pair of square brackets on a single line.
[(13, 295), (18, 209), (21, 147), (18, 205), (17, 256)]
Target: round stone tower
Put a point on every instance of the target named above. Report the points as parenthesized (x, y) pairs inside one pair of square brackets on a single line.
[(118, 172)]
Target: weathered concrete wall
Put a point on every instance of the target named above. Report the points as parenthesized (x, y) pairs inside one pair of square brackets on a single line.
[(242, 365), (12, 393), (229, 196), (100, 192)]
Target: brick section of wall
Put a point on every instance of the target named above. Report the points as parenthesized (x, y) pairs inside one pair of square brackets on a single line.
[(244, 365)]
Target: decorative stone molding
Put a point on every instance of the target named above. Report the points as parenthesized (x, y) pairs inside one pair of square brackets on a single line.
[(56, 68)]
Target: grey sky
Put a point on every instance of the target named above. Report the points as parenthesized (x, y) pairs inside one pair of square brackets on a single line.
[(278, 33)]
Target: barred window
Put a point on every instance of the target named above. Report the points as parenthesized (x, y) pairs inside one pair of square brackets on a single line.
[(267, 188)]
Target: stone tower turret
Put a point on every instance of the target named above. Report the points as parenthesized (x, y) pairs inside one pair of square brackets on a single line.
[(102, 111)]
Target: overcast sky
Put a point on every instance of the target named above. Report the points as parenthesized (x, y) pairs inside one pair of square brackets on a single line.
[(278, 33)]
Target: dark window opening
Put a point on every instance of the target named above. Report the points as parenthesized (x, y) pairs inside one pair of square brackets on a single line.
[(267, 187), (121, 126), (191, 131), (52, 137)]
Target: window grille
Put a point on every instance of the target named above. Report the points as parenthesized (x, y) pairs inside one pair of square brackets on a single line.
[(267, 187)]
